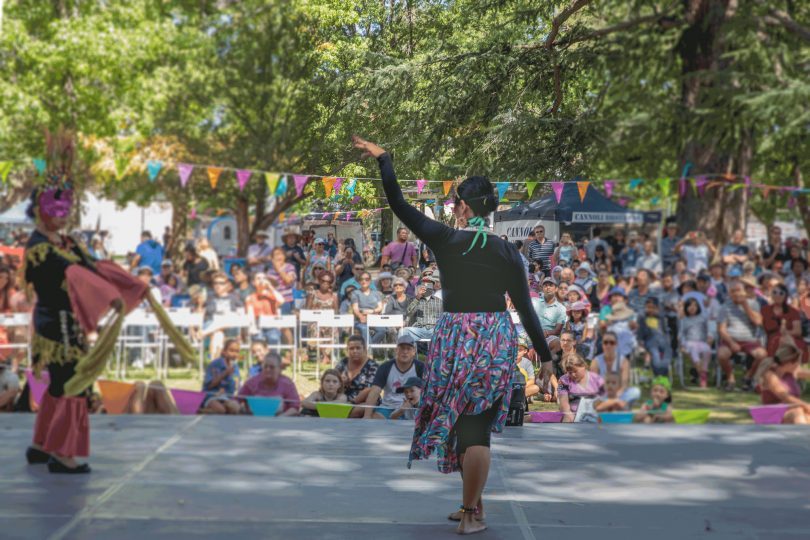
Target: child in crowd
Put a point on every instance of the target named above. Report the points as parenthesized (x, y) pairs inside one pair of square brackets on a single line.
[(585, 277), (330, 391), (652, 333), (526, 367), (577, 324), (566, 252), (613, 402), (693, 334), (413, 397), (658, 409)]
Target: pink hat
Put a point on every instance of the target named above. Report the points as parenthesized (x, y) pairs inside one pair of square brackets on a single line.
[(578, 306)]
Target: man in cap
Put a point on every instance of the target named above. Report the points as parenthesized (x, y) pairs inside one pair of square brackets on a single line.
[(259, 254), (294, 253), (668, 243), (412, 388), (392, 375), (423, 312), (551, 313)]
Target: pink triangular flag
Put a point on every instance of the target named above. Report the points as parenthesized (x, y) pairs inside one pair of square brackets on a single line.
[(338, 185), (185, 170), (348, 216), (700, 184), (242, 177), (609, 188), (420, 185), (558, 190), (325, 215), (791, 202), (300, 181), (682, 187)]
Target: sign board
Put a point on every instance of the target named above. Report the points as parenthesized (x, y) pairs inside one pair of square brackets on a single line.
[(607, 217), (520, 229)]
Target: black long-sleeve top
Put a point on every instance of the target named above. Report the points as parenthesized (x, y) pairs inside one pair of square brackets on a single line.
[(475, 282)]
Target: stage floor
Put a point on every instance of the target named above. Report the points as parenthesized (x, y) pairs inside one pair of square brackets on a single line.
[(244, 477)]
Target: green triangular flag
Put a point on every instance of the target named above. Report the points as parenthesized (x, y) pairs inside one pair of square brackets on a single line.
[(530, 188), (5, 168), (664, 186)]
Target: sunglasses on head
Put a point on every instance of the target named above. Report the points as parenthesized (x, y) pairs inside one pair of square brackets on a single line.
[(609, 342), (364, 279)]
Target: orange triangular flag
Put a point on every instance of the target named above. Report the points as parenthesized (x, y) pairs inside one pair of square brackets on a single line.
[(766, 191), (115, 395), (213, 176), (447, 185), (328, 184), (583, 189)]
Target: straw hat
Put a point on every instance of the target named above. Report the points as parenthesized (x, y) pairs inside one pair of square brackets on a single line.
[(620, 312), (295, 231)]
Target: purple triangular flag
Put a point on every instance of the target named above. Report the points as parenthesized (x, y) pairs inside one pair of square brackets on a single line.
[(609, 188), (349, 216), (700, 183), (325, 215), (420, 185), (682, 187), (558, 190), (242, 176), (338, 184), (791, 202), (300, 181), (185, 170), (623, 201)]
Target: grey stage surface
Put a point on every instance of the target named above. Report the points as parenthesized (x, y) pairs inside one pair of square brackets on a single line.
[(243, 477)]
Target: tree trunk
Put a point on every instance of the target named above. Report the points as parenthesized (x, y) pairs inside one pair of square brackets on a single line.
[(717, 210), (802, 199), (179, 227), (242, 226)]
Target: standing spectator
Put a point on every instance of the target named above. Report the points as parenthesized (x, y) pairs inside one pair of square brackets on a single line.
[(630, 254), (552, 317), (390, 376), (426, 257), (696, 250), (539, 249), (344, 266), (331, 244), (207, 252), (167, 238), (365, 302), (735, 253), (693, 335), (292, 251), (652, 333), (194, 266), (400, 252), (148, 253), (357, 373), (739, 325), (777, 379), (220, 381), (424, 312), (650, 260), (774, 250), (282, 277), (595, 243), (668, 252), (271, 383), (259, 253), (317, 256)]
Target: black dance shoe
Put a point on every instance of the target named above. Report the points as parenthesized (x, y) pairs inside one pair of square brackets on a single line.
[(34, 456), (56, 466)]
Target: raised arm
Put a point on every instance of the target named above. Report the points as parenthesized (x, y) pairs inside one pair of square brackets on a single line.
[(428, 230)]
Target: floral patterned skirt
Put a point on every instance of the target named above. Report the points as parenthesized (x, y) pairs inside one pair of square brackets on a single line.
[(470, 366)]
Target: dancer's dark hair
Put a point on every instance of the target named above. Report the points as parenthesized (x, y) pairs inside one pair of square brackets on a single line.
[(479, 194)]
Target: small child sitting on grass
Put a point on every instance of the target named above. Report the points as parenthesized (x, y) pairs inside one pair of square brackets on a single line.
[(413, 396), (613, 402), (331, 391), (658, 409)]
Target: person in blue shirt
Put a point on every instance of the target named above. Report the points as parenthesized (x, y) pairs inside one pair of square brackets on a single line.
[(220, 380), (148, 253)]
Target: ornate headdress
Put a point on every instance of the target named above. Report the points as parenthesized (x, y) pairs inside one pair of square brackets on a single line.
[(54, 198)]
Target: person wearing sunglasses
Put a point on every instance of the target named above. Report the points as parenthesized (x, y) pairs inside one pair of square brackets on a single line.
[(474, 339), (365, 302), (611, 362)]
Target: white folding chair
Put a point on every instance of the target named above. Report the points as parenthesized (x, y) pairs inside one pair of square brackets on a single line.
[(141, 322), (184, 319), (18, 320), (336, 323), (282, 322), (383, 321), (233, 321), (311, 319)]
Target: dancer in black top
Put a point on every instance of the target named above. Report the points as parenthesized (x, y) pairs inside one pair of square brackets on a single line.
[(471, 363)]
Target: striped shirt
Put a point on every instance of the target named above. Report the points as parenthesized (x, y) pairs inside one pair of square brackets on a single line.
[(541, 253)]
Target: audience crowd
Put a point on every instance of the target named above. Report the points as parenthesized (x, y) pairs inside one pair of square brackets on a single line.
[(620, 310)]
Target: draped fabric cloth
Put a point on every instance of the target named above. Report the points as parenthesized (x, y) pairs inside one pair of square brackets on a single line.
[(63, 426), (471, 365)]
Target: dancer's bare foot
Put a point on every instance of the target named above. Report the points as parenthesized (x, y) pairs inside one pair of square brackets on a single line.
[(479, 515), (470, 525)]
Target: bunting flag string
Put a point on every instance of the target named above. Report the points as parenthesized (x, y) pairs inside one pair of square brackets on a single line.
[(153, 167), (502, 187), (40, 165), (300, 182), (213, 176), (281, 189), (338, 185), (420, 185), (558, 190), (700, 185), (328, 185), (5, 169), (609, 188), (447, 184), (530, 187), (351, 187), (184, 170), (271, 179), (583, 189)]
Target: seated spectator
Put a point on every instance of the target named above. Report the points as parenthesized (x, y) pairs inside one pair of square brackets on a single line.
[(652, 333), (385, 284), (317, 256), (412, 389), (346, 300), (577, 384), (777, 383), (551, 314), (423, 313), (782, 322), (150, 398), (357, 373), (696, 250), (220, 381), (650, 260), (585, 278), (194, 266), (612, 402), (735, 253), (330, 391), (398, 302), (798, 273), (358, 269), (657, 409), (271, 383), (621, 322), (526, 367), (406, 274), (9, 387), (693, 335), (390, 376), (611, 361), (365, 302), (739, 325), (577, 325), (146, 275), (222, 302), (207, 252), (241, 282), (566, 251)]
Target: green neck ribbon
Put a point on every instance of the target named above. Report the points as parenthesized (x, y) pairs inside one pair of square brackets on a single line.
[(479, 222)]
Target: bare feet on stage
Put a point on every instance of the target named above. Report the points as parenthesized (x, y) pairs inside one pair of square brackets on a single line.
[(479, 515), (470, 524)]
